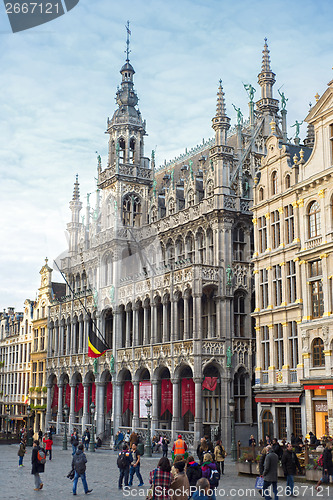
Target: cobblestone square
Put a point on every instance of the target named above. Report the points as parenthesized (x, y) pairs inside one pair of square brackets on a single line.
[(17, 483)]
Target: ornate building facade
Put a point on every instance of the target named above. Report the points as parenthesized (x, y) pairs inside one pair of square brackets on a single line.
[(293, 271), (161, 266)]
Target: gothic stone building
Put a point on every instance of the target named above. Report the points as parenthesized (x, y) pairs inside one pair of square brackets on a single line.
[(161, 265)]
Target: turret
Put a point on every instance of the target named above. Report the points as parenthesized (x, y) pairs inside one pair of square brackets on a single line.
[(74, 226), (266, 80), (221, 122)]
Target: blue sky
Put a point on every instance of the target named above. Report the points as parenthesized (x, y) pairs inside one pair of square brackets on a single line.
[(58, 84)]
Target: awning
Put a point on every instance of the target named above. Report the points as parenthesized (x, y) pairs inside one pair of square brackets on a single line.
[(279, 398)]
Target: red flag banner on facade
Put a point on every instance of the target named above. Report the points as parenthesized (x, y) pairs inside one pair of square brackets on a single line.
[(128, 397), (108, 397), (166, 396), (79, 397), (188, 396), (93, 393), (210, 383), (55, 396), (68, 395)]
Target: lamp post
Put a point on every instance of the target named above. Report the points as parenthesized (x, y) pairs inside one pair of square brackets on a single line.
[(233, 436), (64, 443), (29, 437), (7, 418), (148, 404), (92, 437)]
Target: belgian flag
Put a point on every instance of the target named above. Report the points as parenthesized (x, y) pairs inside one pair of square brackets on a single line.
[(96, 346)]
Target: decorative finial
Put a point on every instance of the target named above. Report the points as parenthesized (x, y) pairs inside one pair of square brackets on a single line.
[(317, 97), (295, 159), (273, 127), (46, 260), (301, 154), (128, 41)]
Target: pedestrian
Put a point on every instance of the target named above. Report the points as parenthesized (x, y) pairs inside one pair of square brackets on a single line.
[(203, 490), (86, 438), (48, 445), (277, 448), (165, 447), (193, 471), (270, 474), (262, 461), (74, 442), (252, 441), (327, 463), (292, 438), (289, 464), (299, 444), (133, 439), (268, 440), (209, 470), (79, 465), (220, 455), (179, 447), (40, 434), (210, 446), (38, 463), (123, 462), (202, 449), (153, 443), (21, 452), (127, 437), (314, 442), (135, 466), (161, 479), (180, 486)]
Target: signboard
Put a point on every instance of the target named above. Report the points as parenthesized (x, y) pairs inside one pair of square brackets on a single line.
[(144, 394), (321, 406)]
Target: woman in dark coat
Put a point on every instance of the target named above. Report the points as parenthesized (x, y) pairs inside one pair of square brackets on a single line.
[(37, 466), (193, 471), (327, 462)]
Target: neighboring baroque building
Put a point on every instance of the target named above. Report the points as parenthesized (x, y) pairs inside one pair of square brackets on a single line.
[(293, 260), (161, 266)]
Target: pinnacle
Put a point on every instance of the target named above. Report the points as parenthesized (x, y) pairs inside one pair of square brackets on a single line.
[(220, 105), (76, 190), (266, 66)]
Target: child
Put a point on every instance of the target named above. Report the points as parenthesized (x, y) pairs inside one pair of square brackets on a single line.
[(21, 453)]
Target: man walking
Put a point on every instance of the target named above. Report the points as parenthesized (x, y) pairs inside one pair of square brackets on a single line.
[(270, 473), (86, 439), (123, 462), (79, 465), (74, 442), (38, 463), (135, 466), (289, 464)]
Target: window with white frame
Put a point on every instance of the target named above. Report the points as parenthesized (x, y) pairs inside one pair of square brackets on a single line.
[(291, 281), (316, 289), (275, 226), (289, 224), (278, 340), (293, 344), (262, 228), (277, 285), (265, 347), (263, 284), (314, 220)]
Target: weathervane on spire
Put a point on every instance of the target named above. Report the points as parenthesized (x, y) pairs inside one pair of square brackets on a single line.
[(128, 41)]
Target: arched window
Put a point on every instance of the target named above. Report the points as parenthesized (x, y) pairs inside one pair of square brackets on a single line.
[(210, 247), (180, 255), (314, 219), (287, 181), (239, 315), (267, 423), (190, 248), (318, 357), (274, 183), (170, 250), (238, 239), (121, 153), (201, 247), (131, 210), (132, 151), (190, 199), (240, 395), (261, 194), (153, 214)]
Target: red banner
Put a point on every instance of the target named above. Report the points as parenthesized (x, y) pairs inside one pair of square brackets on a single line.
[(68, 395), (79, 397), (55, 396), (210, 383), (108, 397), (188, 396), (93, 393), (166, 396), (128, 397)]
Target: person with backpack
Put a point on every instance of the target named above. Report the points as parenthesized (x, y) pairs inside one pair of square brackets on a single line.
[(193, 471), (74, 442), (123, 462), (220, 455), (135, 466), (209, 470), (48, 445), (289, 464), (79, 465), (21, 452), (38, 459)]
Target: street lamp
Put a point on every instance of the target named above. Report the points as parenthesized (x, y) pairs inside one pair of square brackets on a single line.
[(7, 418), (29, 437), (233, 436), (148, 436), (92, 437), (64, 443)]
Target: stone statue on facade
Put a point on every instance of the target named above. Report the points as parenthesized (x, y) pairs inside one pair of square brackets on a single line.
[(239, 115), (283, 99), (95, 366), (297, 125), (95, 296), (229, 357), (111, 293), (112, 364), (229, 276), (250, 90)]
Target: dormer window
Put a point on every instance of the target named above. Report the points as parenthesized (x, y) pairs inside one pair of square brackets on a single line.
[(287, 181), (274, 183)]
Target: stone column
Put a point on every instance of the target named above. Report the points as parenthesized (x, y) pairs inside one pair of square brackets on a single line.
[(197, 317), (68, 338), (198, 410), (56, 341), (153, 323), (174, 319), (100, 416), (154, 408), (72, 408), (48, 406), (175, 406), (74, 326), (165, 321), (61, 339), (117, 327), (128, 327), (218, 317), (146, 325), (186, 318), (81, 329), (85, 416), (135, 325), (135, 420), (117, 405), (85, 334), (50, 331), (60, 417)]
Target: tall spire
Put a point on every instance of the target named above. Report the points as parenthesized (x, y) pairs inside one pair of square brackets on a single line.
[(128, 41), (76, 190), (221, 122), (266, 63)]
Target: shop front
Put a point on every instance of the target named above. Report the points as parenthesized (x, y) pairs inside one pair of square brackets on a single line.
[(319, 401)]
